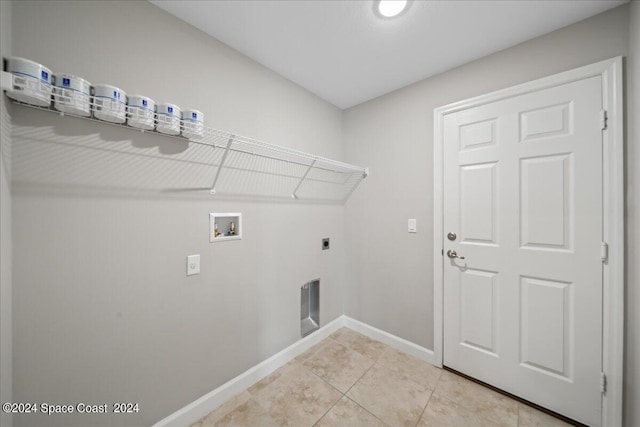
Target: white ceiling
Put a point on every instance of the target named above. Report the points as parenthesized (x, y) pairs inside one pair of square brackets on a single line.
[(344, 53)]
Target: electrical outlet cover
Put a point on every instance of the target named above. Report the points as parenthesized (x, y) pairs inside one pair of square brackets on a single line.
[(193, 265), (325, 243)]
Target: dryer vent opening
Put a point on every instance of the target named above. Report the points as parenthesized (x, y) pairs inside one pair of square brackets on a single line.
[(309, 307)]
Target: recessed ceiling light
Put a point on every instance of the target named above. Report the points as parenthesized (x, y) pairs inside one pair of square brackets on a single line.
[(390, 8)]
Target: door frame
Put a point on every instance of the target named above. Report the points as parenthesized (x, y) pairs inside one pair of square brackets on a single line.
[(613, 217)]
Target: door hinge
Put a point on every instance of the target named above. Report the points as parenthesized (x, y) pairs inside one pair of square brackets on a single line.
[(603, 382), (604, 251), (603, 119)]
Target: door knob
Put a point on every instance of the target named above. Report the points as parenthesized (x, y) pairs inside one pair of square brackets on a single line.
[(452, 254)]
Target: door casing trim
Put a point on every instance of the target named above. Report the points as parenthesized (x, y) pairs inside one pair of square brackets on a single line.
[(613, 216)]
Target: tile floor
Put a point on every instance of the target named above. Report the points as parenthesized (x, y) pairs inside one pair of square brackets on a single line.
[(351, 380)]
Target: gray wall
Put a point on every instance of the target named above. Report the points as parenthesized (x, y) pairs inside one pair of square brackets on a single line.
[(632, 360), (6, 368), (392, 273), (103, 310)]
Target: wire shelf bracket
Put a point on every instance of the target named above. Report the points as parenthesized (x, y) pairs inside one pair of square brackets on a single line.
[(293, 194), (224, 158)]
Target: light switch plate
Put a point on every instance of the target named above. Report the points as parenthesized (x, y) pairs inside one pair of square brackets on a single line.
[(412, 226), (193, 265)]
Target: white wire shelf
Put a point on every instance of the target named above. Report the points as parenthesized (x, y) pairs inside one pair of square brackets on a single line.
[(241, 165)]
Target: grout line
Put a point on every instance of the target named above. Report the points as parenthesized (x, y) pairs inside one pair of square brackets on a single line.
[(424, 409), (327, 411), (341, 393), (327, 382), (366, 410), (433, 390), (323, 380), (331, 385), (314, 374), (318, 376), (375, 360), (358, 380)]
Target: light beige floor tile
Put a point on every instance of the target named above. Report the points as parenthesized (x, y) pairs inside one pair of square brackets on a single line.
[(389, 396), (530, 417), (247, 414), (346, 413), (230, 405), (260, 385), (362, 344), (313, 350), (485, 402), (338, 365), (337, 333), (395, 389), (410, 367), (298, 398), (443, 412)]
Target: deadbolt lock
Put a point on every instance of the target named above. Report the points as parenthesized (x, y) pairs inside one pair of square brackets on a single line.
[(451, 236)]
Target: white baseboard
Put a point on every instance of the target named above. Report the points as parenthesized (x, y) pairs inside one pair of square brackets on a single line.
[(391, 340), (214, 399)]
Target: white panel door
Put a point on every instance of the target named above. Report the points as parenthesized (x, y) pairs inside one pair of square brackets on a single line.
[(523, 196)]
